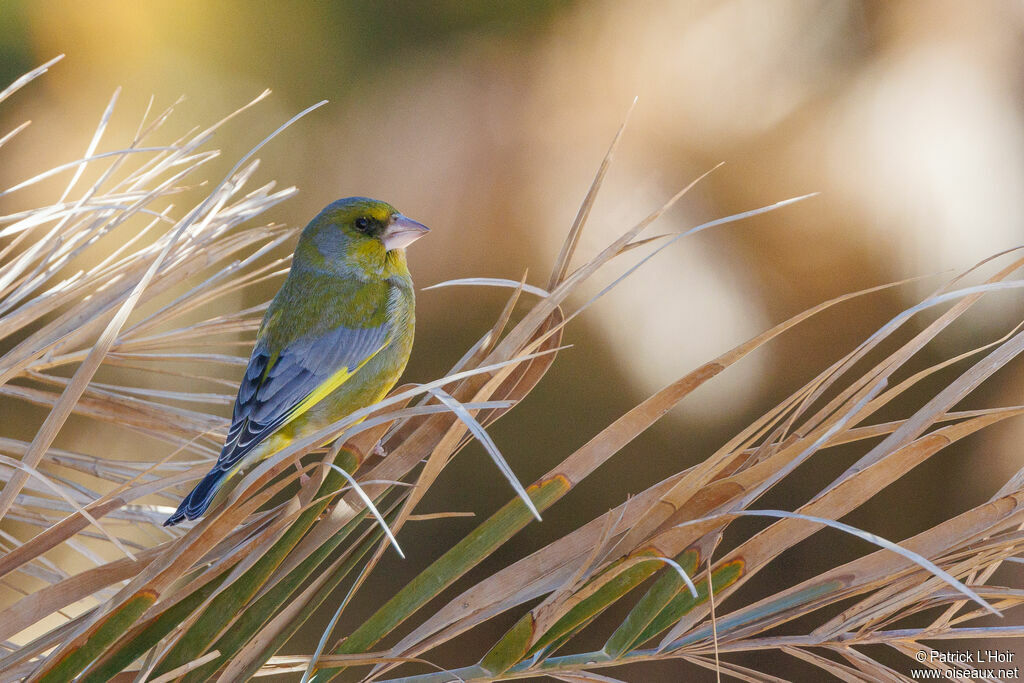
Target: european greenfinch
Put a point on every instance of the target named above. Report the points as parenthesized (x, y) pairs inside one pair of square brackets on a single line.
[(335, 338)]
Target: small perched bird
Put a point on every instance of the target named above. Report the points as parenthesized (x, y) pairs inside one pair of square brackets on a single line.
[(335, 338)]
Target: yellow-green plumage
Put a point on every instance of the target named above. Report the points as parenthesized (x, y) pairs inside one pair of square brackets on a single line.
[(336, 337)]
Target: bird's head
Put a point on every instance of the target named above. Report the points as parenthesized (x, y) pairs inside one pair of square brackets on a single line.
[(359, 234)]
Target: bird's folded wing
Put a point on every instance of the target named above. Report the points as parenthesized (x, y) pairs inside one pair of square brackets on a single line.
[(276, 390)]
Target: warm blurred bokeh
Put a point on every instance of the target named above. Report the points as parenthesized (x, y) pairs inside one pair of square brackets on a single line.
[(487, 120)]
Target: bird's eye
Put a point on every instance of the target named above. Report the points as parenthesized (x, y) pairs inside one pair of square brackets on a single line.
[(362, 224)]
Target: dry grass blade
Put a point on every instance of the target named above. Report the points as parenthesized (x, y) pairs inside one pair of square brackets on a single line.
[(371, 507), (561, 266), (176, 673), (490, 282), (83, 375), (492, 450), (869, 537), (24, 80)]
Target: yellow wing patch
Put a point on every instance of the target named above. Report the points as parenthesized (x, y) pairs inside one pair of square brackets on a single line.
[(325, 389)]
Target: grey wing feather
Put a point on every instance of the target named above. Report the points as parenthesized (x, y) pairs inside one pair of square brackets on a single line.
[(266, 399)]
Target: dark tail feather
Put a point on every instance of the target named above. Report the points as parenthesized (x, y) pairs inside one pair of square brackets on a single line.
[(198, 500)]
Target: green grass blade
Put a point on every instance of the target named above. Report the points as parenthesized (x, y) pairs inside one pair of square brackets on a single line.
[(667, 588), (151, 634), (521, 642), (723, 577), (310, 608), (444, 571), (267, 605), (102, 635), (513, 655), (512, 647), (226, 605)]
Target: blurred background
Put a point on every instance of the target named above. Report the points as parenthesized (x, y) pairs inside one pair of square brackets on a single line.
[(487, 120)]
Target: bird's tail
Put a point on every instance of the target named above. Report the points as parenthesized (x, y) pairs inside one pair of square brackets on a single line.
[(199, 499)]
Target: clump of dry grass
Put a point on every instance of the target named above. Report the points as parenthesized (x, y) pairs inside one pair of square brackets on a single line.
[(219, 599)]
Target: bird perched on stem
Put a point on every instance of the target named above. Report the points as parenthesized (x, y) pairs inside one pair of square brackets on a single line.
[(335, 338)]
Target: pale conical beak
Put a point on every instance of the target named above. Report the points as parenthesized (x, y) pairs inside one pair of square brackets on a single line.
[(402, 232)]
